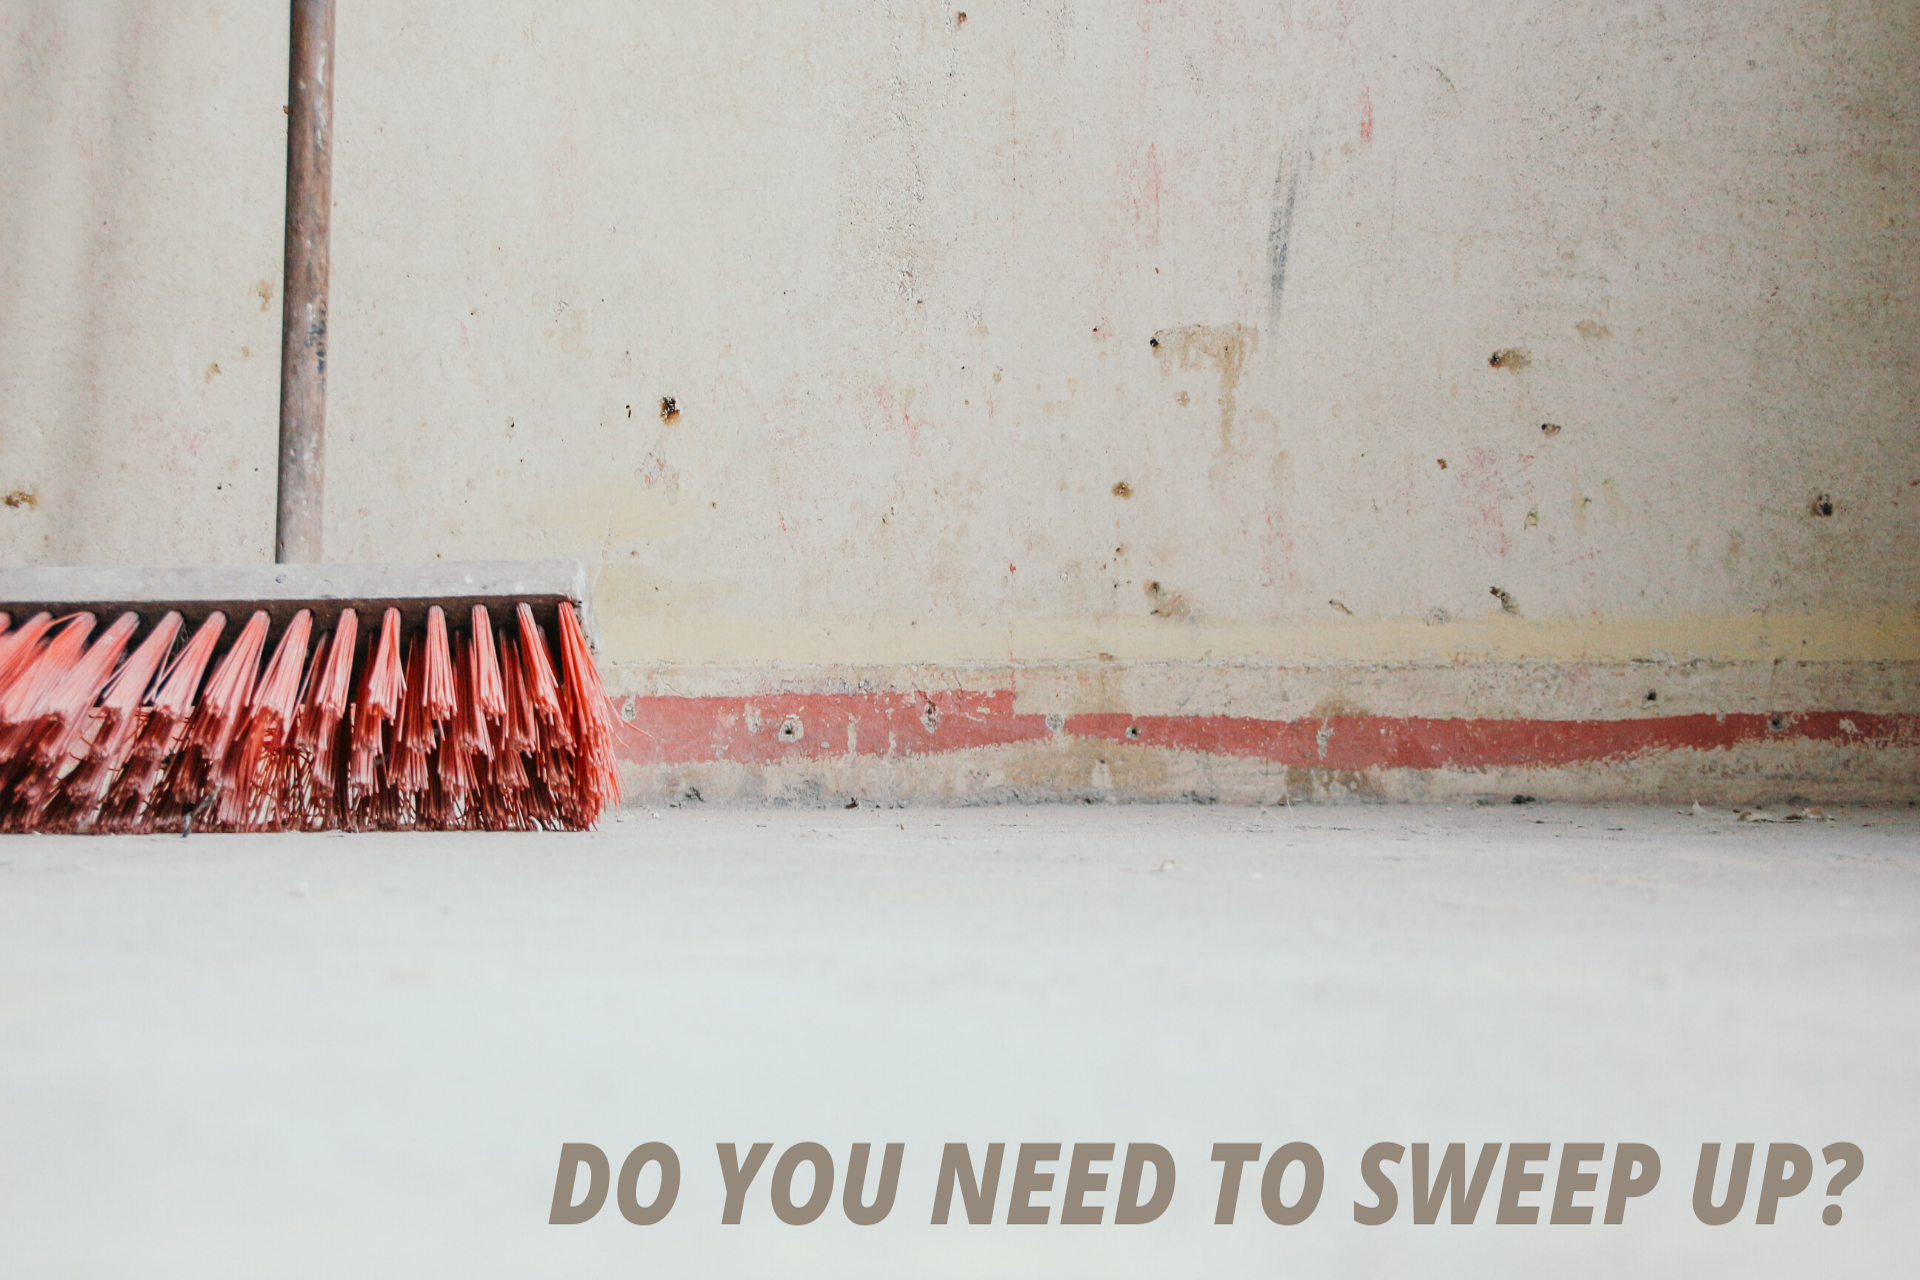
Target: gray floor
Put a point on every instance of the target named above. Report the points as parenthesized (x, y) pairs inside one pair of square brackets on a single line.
[(331, 1055)]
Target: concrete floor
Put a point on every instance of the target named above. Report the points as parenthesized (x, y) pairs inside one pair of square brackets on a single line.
[(332, 1055)]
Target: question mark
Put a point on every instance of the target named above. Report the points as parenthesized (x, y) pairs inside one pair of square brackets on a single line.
[(1851, 1160)]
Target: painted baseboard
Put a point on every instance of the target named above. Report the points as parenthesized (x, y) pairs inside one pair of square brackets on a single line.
[(1716, 732)]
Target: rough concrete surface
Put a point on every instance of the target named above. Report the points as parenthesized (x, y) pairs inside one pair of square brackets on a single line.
[(1165, 332), (318, 1056)]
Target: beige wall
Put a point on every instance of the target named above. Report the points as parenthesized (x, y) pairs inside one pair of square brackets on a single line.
[(903, 276)]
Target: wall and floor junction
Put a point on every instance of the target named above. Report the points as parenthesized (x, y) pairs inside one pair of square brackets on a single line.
[(1151, 399)]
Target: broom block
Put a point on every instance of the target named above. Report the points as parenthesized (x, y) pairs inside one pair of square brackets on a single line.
[(285, 589)]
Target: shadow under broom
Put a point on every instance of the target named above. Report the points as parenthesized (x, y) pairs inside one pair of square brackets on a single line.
[(473, 724)]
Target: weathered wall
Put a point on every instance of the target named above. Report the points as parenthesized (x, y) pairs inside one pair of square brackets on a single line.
[(1132, 360)]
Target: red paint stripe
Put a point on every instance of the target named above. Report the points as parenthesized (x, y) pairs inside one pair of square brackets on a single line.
[(785, 726), (1413, 742), (764, 730)]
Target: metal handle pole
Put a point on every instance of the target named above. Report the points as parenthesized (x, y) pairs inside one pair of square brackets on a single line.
[(303, 323)]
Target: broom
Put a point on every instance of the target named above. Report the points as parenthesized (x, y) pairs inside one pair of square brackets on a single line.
[(366, 697)]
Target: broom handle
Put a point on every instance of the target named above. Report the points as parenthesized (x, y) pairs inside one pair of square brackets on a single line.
[(303, 317)]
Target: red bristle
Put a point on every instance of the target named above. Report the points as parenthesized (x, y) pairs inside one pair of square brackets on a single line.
[(489, 694), (181, 682), (413, 735), (120, 719), (453, 763), (363, 758), (556, 726), (18, 646), (597, 777), (555, 784), (336, 679), (163, 726), (415, 729), (229, 691), (316, 732), (251, 794), (134, 682), (381, 689), (60, 732), (436, 695), (541, 685), (509, 771), (522, 726), (39, 673), (23, 719), (66, 712), (310, 685), (386, 682), (308, 781), (472, 721), (194, 779), (279, 690)]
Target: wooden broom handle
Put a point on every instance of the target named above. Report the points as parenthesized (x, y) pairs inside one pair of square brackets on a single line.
[(303, 322)]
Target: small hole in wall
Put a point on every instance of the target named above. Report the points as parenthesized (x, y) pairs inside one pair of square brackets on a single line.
[(1821, 506), (959, 19), (1550, 428), (669, 408), (1653, 695), (1121, 489), (1133, 731)]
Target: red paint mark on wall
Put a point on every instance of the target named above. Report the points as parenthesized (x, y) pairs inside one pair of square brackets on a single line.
[(1415, 742), (1140, 180), (765, 730), (779, 727), (1488, 494), (1366, 115)]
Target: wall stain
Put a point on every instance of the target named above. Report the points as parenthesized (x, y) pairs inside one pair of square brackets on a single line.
[(1592, 330), (1508, 604), (1225, 346), (1512, 359), (1167, 604), (23, 498), (1295, 162)]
